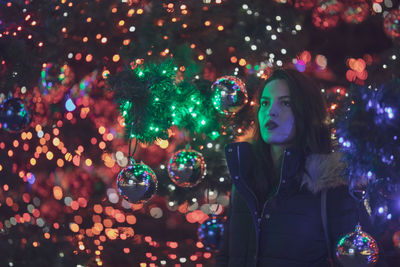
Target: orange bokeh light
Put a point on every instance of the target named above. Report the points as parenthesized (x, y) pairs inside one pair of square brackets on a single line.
[(305, 56), (57, 192), (131, 219), (107, 223), (74, 227), (78, 219), (74, 205), (116, 58), (98, 208), (89, 58), (60, 163)]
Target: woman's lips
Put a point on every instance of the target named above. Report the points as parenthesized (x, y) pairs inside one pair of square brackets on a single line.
[(271, 125)]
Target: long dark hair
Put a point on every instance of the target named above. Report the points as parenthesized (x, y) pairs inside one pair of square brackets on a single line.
[(313, 132)]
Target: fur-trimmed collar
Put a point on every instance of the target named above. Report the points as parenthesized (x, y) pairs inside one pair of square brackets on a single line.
[(325, 171)]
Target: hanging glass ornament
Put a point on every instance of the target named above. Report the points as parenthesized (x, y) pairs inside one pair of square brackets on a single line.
[(210, 233), (391, 24), (357, 249), (230, 95), (14, 116), (55, 80), (359, 188), (326, 14), (137, 183), (187, 168)]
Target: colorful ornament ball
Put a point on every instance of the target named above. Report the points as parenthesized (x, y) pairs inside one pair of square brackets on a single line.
[(326, 15), (137, 183), (357, 249), (355, 11), (230, 95), (210, 233), (14, 116), (187, 168), (391, 24), (303, 4)]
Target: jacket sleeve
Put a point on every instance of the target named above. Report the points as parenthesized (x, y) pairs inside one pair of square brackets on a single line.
[(222, 257), (343, 215)]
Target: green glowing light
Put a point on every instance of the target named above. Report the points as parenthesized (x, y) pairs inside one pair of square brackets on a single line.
[(214, 135), (341, 241)]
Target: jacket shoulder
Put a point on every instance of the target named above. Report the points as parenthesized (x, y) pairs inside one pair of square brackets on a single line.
[(238, 156), (238, 151), (229, 148)]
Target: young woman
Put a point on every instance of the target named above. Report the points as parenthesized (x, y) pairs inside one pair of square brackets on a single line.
[(275, 213)]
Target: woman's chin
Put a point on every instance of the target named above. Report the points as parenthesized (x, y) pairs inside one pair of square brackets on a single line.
[(275, 140)]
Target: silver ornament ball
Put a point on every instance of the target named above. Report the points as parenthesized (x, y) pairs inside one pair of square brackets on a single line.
[(230, 95), (187, 168), (137, 183), (357, 249)]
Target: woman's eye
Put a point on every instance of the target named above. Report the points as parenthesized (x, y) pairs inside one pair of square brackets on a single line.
[(264, 103), (286, 103)]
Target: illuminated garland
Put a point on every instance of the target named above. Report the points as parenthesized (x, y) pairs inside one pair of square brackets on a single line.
[(146, 94), (194, 111), (152, 100)]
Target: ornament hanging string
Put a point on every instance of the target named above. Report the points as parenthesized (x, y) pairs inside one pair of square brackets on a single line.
[(130, 156), (359, 190)]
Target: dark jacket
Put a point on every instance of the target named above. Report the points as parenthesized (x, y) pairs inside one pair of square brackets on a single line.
[(287, 231)]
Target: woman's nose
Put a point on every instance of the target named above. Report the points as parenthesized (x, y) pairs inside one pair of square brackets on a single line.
[(273, 111)]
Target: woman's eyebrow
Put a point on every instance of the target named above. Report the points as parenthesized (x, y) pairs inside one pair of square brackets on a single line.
[(284, 96)]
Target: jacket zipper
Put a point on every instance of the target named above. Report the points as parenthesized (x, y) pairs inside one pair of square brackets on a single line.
[(265, 204), (259, 218)]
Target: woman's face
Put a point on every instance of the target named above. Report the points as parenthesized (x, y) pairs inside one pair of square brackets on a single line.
[(275, 115)]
